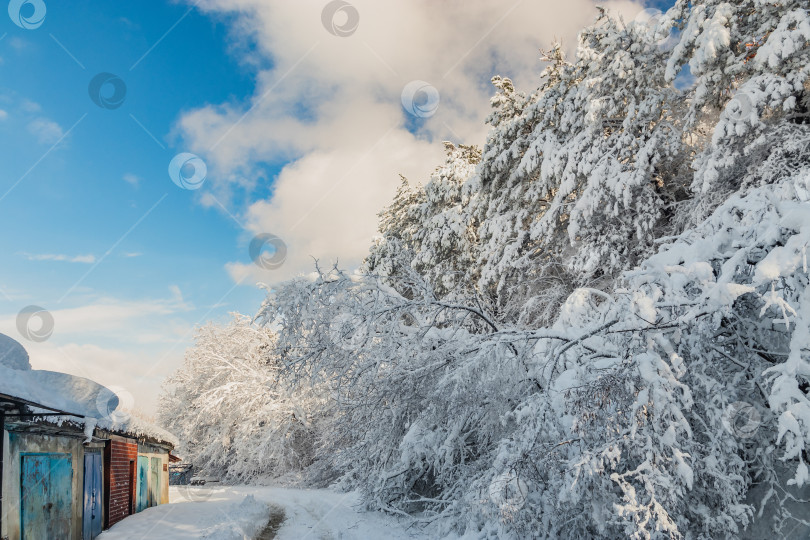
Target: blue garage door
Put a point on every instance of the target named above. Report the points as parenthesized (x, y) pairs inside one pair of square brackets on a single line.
[(46, 494), (143, 483), (91, 523)]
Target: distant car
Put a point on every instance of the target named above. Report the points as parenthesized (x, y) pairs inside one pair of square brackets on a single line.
[(202, 480)]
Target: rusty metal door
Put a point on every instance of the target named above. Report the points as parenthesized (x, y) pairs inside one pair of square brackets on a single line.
[(46, 494)]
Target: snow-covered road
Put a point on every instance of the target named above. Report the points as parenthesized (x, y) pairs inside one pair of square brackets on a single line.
[(241, 512)]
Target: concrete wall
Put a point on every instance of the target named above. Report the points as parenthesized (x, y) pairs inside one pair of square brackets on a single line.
[(151, 450), (19, 442)]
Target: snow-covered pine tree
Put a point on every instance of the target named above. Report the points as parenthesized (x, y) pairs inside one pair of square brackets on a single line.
[(430, 229)]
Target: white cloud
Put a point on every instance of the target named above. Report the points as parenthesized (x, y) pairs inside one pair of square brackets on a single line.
[(3, 114), (18, 44), (325, 205), (87, 259), (30, 106), (131, 179), (177, 294), (128, 370), (46, 131), (330, 106), (116, 320), (130, 344)]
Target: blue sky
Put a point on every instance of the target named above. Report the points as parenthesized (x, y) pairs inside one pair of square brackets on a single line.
[(91, 185), (303, 133), (103, 177)]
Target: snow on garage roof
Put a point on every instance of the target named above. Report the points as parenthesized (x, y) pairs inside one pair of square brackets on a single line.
[(55, 391), (62, 392), (12, 354)]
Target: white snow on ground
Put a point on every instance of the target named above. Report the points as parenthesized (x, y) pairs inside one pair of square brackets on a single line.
[(222, 517), (241, 512)]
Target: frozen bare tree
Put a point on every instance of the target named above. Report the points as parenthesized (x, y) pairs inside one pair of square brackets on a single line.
[(234, 411)]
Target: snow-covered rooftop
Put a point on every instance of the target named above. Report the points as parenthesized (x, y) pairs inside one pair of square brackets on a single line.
[(12, 354), (134, 425), (71, 394), (58, 391)]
